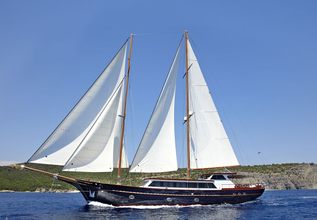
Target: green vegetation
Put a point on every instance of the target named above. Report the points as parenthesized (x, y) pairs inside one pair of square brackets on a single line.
[(275, 176)]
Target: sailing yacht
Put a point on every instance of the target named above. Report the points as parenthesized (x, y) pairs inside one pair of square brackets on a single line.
[(90, 139)]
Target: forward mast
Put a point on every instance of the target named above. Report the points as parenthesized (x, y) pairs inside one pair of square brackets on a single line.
[(125, 105)]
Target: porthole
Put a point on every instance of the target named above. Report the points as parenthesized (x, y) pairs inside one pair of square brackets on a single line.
[(169, 199), (131, 197), (196, 200)]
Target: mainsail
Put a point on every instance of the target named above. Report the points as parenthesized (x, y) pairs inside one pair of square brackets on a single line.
[(210, 146), (157, 149), (87, 138)]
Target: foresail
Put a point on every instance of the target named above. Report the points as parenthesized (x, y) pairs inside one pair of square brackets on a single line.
[(210, 146), (118, 130), (96, 152), (157, 149), (116, 155), (73, 131)]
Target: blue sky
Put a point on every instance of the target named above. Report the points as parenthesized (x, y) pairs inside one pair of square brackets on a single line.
[(258, 57)]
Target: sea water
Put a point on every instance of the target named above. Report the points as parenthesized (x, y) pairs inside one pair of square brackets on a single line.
[(289, 204)]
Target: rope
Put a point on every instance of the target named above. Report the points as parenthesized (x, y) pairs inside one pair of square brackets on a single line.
[(31, 175)]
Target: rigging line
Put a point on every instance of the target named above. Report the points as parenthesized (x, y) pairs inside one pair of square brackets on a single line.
[(53, 133), (187, 70), (180, 43), (235, 138), (30, 174), (237, 147), (104, 107)]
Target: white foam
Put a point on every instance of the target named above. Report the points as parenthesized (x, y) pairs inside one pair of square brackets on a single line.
[(99, 204), (309, 197), (103, 205)]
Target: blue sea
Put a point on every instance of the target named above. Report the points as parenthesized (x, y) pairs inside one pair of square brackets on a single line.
[(290, 204)]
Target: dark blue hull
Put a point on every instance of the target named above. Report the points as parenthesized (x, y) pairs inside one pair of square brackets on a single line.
[(119, 195)]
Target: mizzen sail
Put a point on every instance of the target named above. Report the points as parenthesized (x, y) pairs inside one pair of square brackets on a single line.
[(210, 146)]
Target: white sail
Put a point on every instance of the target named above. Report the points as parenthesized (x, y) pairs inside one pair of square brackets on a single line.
[(116, 153), (118, 132), (96, 152), (157, 149), (78, 126), (210, 146)]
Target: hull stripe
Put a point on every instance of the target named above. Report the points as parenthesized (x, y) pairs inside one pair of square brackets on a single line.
[(182, 195)]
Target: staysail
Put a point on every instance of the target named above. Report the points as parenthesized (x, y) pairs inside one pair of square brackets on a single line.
[(97, 150), (157, 149), (85, 124), (210, 146)]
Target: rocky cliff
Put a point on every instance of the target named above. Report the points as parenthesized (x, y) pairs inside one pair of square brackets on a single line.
[(281, 176)]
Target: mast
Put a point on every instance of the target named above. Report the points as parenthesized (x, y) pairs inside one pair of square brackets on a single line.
[(187, 108), (125, 105)]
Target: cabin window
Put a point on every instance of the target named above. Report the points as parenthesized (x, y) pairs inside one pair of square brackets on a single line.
[(192, 185), (167, 184), (155, 183), (218, 177), (182, 184), (206, 185), (203, 185)]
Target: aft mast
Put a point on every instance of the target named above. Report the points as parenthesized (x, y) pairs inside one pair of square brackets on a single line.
[(187, 108), (125, 105)]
